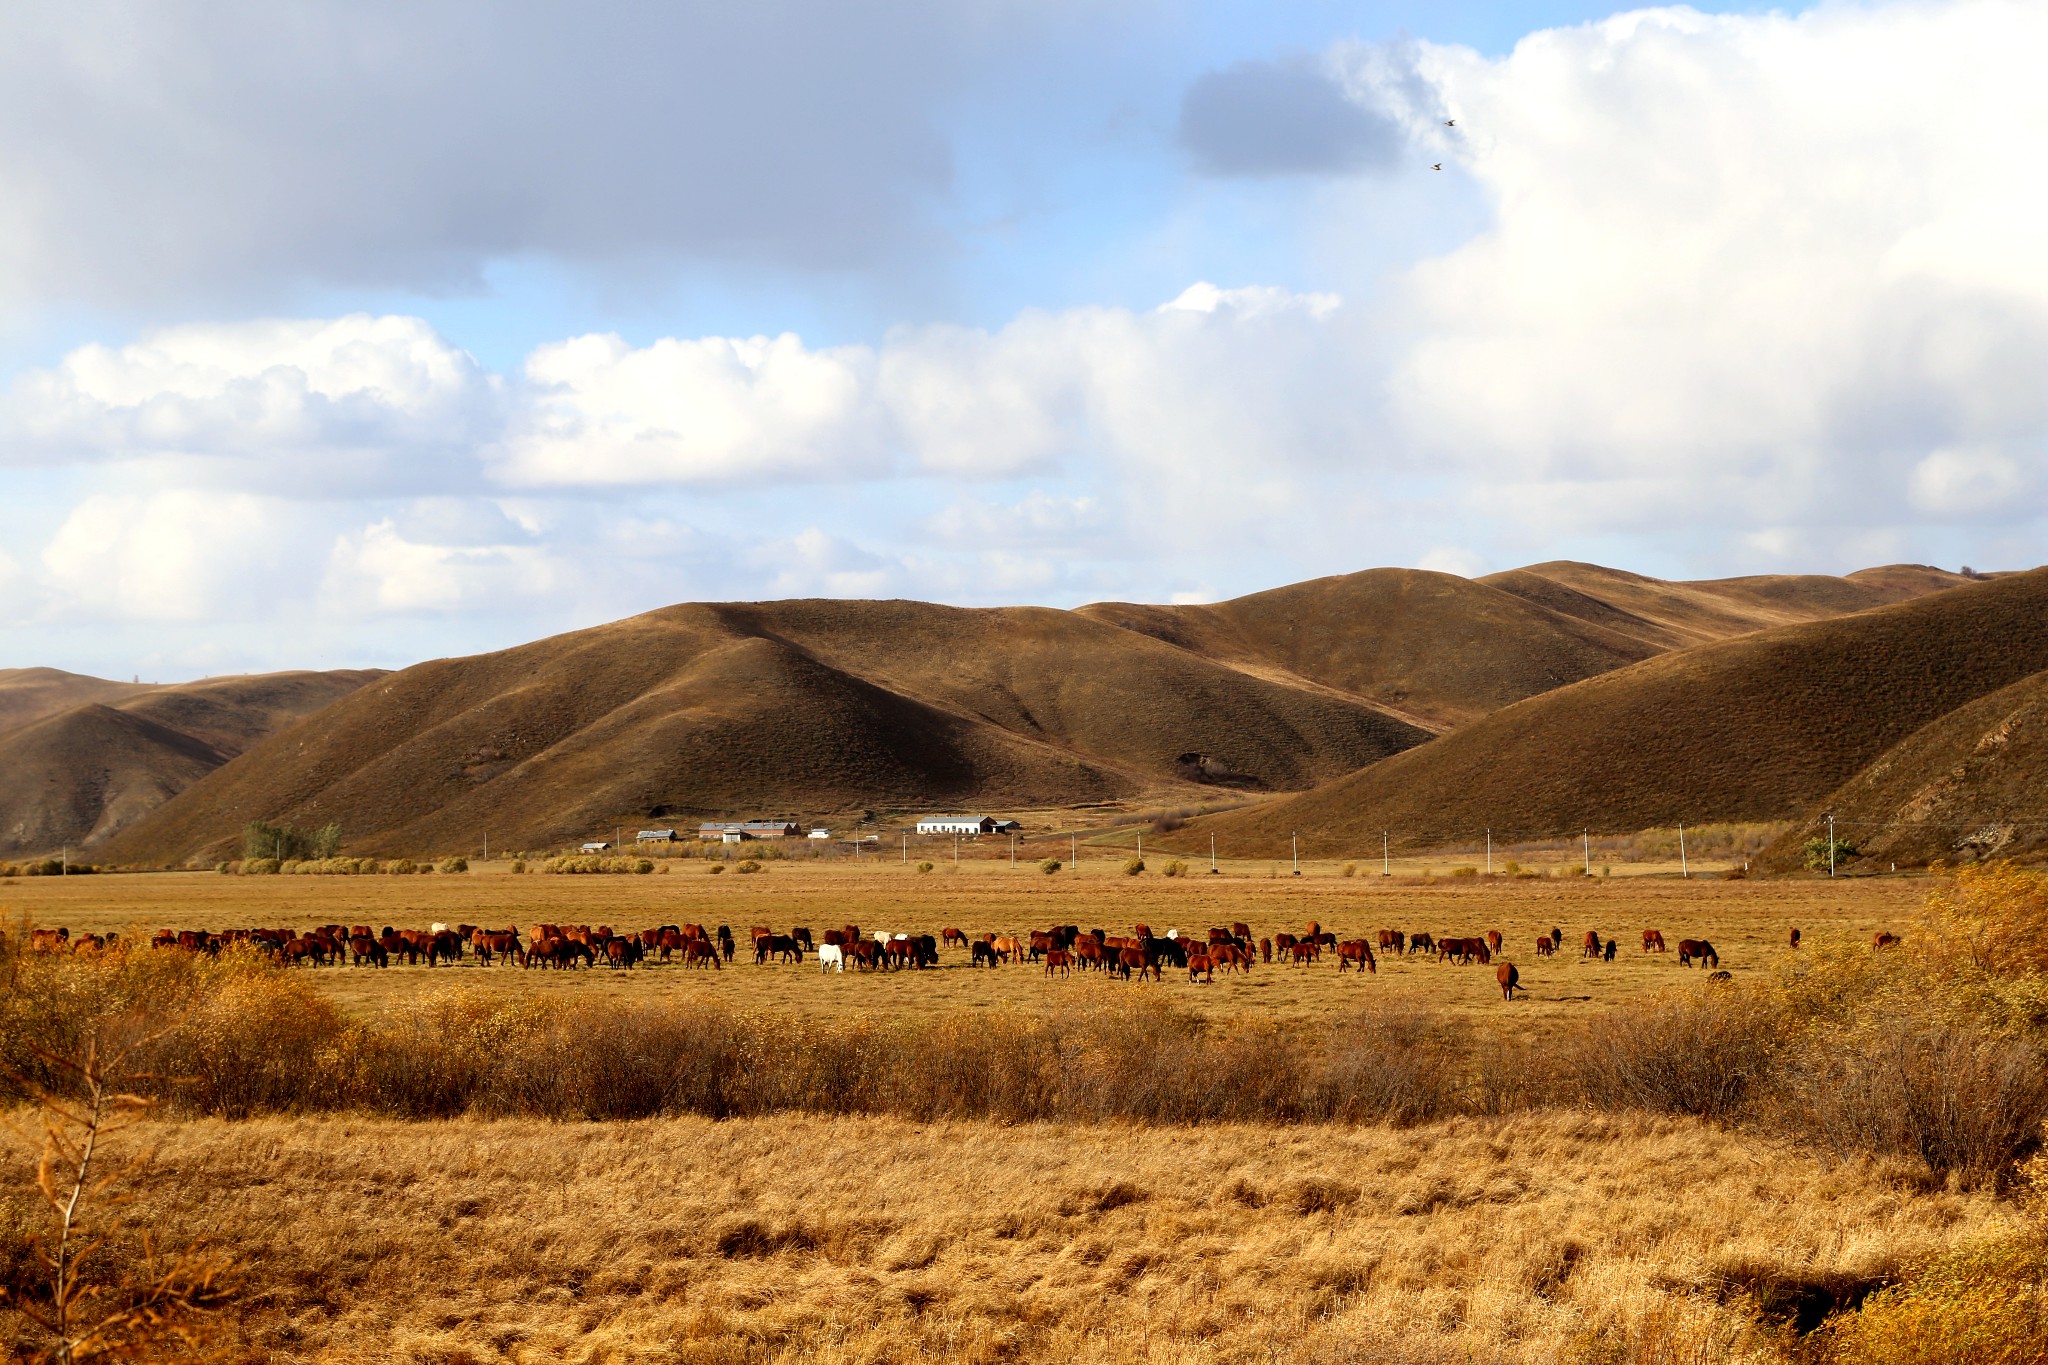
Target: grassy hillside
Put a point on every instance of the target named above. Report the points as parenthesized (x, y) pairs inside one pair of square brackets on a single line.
[(1966, 786), (1443, 651), (1759, 727), (791, 707), (80, 772)]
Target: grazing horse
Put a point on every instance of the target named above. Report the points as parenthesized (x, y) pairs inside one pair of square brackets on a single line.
[(1493, 940), (1697, 948), (1008, 949), (1392, 941), (983, 952), (1302, 952), (1266, 949), (949, 937), (1509, 978), (1885, 939), (1795, 938), (1201, 967), (1421, 943), (1607, 953), (1056, 960), (1544, 946), (1556, 938), (831, 958), (1240, 930), (1653, 940), (1359, 953), (366, 949), (701, 953), (1592, 948)]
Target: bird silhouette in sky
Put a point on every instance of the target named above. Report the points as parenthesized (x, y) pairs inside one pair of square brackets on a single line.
[(1450, 123), (1439, 166)]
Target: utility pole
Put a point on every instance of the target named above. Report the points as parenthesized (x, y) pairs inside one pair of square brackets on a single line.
[(1074, 853), (1831, 843), (1489, 851), (1294, 842), (1386, 858), (1013, 850), (1212, 855), (956, 850), (1141, 845), (1681, 853), (906, 848), (1586, 837), (487, 847), (64, 860)]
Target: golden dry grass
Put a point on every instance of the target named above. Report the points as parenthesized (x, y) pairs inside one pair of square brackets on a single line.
[(1535, 1238), (1746, 920)]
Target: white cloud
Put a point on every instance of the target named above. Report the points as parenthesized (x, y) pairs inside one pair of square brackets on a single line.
[(356, 402), (1743, 259), (1974, 483), (179, 555), (601, 412), (379, 569)]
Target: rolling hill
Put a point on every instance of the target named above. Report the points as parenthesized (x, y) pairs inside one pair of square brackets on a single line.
[(1758, 727), (1968, 785), (696, 711), (84, 758), (1442, 651), (832, 707)]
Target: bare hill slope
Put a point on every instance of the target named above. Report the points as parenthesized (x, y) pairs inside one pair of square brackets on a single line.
[(767, 708), (1757, 727), (1443, 651), (80, 773), (1971, 784)]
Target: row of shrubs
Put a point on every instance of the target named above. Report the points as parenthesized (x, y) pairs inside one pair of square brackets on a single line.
[(336, 867), (587, 864), (1935, 1057), (46, 867)]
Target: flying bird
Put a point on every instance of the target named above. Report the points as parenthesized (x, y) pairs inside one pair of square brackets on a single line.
[(1450, 123), (1439, 166)]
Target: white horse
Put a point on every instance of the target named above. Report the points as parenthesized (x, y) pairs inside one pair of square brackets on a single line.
[(882, 936), (830, 957)]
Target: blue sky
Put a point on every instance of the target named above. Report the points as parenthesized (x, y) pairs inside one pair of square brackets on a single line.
[(358, 334)]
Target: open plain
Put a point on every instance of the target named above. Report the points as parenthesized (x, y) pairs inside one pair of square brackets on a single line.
[(1747, 921)]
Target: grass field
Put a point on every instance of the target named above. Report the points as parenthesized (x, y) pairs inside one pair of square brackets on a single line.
[(1746, 920), (1534, 1239)]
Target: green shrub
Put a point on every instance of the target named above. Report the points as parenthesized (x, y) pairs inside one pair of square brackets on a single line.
[(1983, 1304), (1816, 852), (751, 865), (1349, 870), (1050, 866), (260, 867), (227, 869), (401, 867), (453, 865), (519, 865), (1464, 872), (924, 867), (715, 869), (1176, 868), (1133, 867)]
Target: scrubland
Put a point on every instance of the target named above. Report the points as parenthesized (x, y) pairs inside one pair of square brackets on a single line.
[(1830, 1157)]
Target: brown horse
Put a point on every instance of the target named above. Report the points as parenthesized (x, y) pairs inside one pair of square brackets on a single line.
[(1653, 940), (1544, 947), (1509, 979), (1357, 952), (1795, 938), (1697, 949)]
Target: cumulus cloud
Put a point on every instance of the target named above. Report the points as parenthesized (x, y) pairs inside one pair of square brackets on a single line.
[(1735, 261), (353, 403), (1225, 382), (1289, 116)]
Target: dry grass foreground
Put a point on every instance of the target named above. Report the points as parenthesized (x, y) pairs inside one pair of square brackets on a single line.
[(1540, 1237)]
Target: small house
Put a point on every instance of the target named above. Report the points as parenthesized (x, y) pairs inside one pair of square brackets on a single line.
[(821, 834), (655, 836), (597, 846)]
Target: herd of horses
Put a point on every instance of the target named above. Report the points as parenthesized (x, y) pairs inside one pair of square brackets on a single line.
[(1060, 951)]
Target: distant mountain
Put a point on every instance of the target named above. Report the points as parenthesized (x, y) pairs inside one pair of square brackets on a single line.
[(82, 758), (1764, 726)]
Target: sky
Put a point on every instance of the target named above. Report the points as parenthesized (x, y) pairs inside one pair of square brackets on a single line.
[(355, 334)]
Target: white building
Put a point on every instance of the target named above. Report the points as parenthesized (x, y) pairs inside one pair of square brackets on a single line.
[(821, 834), (966, 824)]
